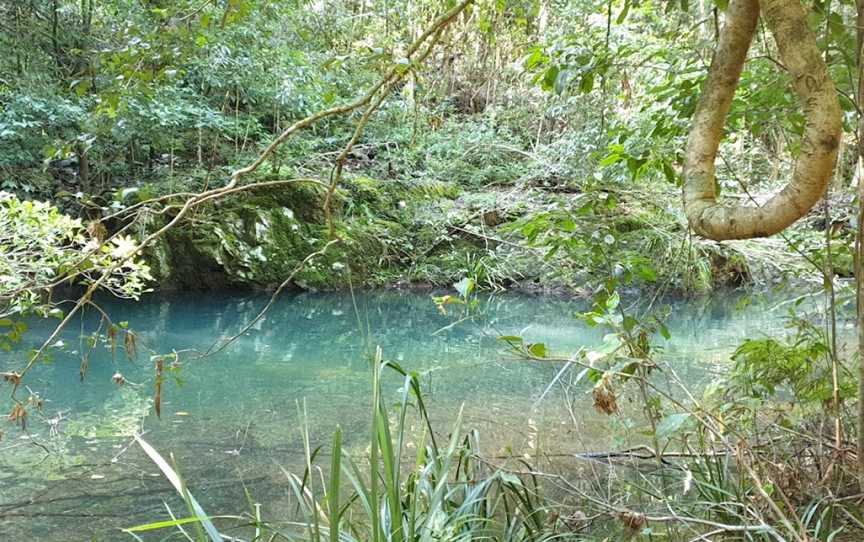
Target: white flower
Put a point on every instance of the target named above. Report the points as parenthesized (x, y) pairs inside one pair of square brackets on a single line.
[(91, 245), (123, 247)]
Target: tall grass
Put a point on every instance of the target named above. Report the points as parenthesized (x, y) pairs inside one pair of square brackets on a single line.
[(439, 493)]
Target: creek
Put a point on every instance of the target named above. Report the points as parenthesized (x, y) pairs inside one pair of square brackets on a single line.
[(231, 419)]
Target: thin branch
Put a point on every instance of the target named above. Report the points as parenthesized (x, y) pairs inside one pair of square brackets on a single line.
[(217, 347)]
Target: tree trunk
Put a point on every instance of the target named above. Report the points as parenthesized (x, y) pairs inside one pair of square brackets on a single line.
[(859, 250), (799, 53), (55, 43), (83, 167)]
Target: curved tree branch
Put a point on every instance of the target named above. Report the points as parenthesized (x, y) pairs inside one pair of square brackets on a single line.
[(796, 43)]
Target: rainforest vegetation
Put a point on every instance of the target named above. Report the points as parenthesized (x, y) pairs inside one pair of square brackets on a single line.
[(432, 270)]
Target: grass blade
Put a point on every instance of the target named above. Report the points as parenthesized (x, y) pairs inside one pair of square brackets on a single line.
[(333, 494), (175, 480), (156, 525)]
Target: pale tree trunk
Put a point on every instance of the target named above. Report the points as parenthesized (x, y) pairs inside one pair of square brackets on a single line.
[(799, 53), (543, 18)]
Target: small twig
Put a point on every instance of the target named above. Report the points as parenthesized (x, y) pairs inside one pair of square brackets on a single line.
[(217, 347)]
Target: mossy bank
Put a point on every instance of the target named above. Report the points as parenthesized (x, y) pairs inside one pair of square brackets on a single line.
[(430, 233)]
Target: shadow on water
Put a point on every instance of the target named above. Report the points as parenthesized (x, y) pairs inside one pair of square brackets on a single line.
[(232, 424)]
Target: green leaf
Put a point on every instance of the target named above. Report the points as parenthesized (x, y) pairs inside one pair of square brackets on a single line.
[(595, 375), (586, 85), (333, 494), (635, 165), (549, 78), (161, 525), (535, 58), (664, 331), (629, 369), (465, 287), (610, 159), (537, 350), (646, 273)]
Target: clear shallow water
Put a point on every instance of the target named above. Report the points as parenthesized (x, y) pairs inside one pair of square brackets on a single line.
[(234, 421)]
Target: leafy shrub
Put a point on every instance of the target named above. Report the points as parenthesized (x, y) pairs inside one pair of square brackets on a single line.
[(798, 365), (41, 247)]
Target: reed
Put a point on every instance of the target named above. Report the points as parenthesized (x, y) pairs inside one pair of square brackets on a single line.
[(440, 493)]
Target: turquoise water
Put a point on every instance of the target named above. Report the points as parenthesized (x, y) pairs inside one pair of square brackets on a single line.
[(233, 423)]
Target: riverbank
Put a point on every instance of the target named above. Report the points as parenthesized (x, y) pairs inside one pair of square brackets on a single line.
[(431, 234)]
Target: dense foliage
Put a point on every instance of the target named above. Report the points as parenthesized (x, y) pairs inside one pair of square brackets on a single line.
[(534, 144)]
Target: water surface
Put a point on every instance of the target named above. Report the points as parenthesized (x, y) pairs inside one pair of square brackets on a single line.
[(232, 420)]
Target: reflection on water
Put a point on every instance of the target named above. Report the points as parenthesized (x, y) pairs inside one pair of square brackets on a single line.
[(232, 421)]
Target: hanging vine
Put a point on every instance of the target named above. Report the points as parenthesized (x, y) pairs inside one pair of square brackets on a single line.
[(799, 53)]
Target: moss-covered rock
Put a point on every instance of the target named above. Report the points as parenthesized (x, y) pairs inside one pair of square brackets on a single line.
[(729, 268), (253, 242), (257, 240)]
